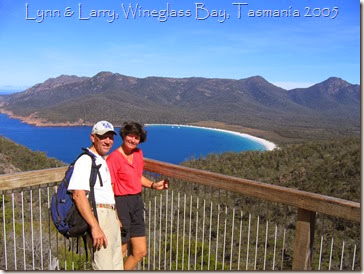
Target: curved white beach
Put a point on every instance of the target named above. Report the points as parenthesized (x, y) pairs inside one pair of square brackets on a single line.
[(267, 144)]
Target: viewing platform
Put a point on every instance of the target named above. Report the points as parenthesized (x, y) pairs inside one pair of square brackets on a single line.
[(204, 221)]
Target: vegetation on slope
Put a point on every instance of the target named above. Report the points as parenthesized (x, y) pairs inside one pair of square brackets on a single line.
[(15, 158), (327, 167)]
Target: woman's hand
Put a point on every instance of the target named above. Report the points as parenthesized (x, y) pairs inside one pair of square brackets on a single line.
[(160, 185), (155, 185)]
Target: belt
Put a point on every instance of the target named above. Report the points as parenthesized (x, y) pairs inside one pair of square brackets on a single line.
[(109, 206)]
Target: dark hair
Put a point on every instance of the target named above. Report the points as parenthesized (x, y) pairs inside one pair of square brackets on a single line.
[(133, 128)]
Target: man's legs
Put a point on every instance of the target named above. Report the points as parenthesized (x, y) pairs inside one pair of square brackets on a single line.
[(109, 258)]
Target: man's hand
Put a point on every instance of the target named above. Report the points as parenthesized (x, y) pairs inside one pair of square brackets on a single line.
[(99, 238)]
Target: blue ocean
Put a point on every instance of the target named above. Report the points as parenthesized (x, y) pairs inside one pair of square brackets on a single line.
[(168, 143)]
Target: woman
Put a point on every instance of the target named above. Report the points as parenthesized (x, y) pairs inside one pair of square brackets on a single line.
[(126, 165)]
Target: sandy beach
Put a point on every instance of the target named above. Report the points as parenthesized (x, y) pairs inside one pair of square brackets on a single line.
[(267, 144)]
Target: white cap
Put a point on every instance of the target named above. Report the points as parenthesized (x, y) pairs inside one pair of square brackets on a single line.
[(102, 127)]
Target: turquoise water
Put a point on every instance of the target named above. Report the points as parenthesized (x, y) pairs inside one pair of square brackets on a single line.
[(173, 144)]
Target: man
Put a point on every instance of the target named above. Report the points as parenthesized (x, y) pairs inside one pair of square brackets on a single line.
[(105, 232)]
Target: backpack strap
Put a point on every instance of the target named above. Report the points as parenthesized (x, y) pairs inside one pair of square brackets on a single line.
[(91, 196), (93, 168), (84, 238), (95, 171)]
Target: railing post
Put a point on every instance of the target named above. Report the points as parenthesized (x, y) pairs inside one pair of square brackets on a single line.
[(303, 242)]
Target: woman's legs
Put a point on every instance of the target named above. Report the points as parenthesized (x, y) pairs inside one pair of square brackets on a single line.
[(130, 210), (138, 251)]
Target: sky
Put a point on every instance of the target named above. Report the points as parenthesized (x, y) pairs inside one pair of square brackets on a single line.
[(300, 43)]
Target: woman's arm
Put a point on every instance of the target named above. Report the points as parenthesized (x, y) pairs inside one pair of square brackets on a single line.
[(149, 184)]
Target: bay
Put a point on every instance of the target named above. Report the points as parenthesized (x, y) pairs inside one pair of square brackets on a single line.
[(169, 143)]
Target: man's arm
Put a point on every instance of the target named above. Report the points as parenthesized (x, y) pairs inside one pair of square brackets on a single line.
[(83, 205)]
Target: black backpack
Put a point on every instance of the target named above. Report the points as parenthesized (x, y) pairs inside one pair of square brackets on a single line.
[(65, 215)]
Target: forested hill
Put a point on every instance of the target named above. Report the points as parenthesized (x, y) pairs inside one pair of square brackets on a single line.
[(16, 158), (328, 167), (331, 106)]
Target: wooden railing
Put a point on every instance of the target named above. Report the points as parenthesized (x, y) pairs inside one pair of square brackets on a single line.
[(307, 204)]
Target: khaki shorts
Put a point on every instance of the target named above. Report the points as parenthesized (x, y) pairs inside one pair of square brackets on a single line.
[(109, 258)]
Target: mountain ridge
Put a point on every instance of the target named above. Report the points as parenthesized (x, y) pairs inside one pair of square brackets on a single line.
[(252, 102)]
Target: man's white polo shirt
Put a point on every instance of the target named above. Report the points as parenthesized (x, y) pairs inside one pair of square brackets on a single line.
[(80, 179)]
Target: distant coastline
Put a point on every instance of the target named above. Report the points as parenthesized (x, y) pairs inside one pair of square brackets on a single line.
[(267, 144), (39, 122)]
